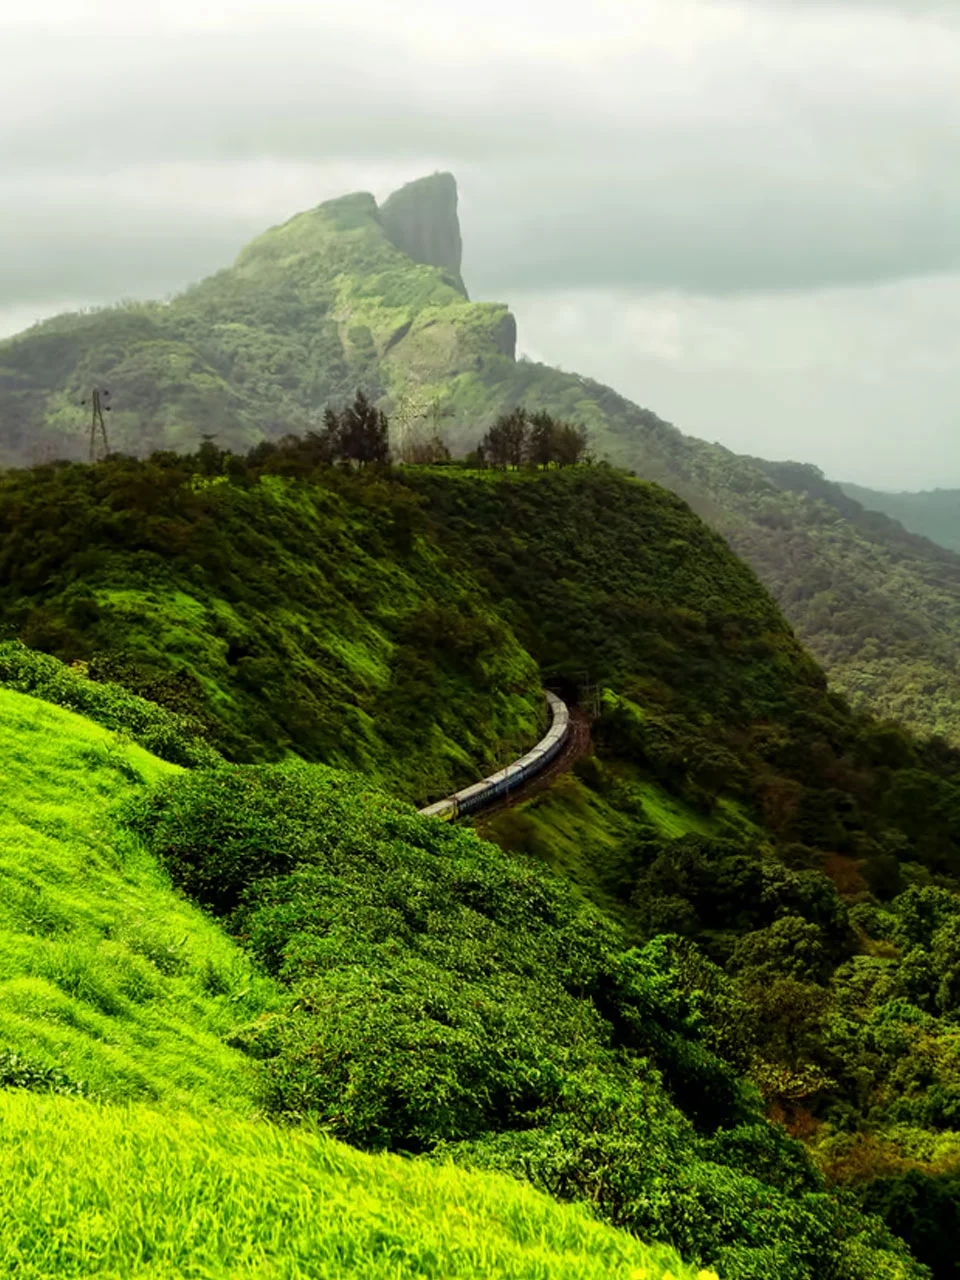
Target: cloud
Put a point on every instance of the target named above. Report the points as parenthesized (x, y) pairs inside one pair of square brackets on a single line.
[(862, 382), (713, 148)]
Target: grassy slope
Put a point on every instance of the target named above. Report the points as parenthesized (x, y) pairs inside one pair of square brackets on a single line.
[(108, 976), (111, 979), (132, 1192), (583, 835)]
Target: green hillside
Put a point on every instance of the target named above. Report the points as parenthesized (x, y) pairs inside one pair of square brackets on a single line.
[(351, 295), (111, 984), (447, 998), (117, 989), (215, 1198), (123, 1142), (286, 617)]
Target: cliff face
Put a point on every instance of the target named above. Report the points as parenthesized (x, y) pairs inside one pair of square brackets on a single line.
[(421, 220)]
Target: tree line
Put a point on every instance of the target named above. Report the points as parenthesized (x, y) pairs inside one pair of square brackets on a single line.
[(519, 439), (359, 434)]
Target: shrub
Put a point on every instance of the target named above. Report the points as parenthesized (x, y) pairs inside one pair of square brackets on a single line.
[(170, 736), (445, 997)]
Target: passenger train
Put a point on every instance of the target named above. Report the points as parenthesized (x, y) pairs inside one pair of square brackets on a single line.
[(508, 780)]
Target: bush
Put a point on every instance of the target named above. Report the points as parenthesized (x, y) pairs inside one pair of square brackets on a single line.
[(18, 1072), (925, 1211), (447, 998), (170, 736)]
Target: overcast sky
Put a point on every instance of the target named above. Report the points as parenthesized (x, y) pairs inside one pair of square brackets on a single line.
[(744, 215)]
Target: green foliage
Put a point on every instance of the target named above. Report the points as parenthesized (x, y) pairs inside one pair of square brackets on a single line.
[(359, 433), (874, 603), (612, 582), (615, 578), (394, 621), (925, 1211), (537, 439), (169, 735), (447, 998), (17, 1072), (115, 987), (284, 614)]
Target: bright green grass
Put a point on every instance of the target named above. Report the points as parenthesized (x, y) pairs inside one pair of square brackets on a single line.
[(106, 974), (569, 828), (117, 1192), (671, 816)]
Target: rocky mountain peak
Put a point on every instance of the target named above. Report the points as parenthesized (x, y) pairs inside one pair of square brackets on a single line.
[(421, 220)]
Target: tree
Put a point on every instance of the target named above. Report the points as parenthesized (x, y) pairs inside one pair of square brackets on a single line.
[(359, 433), (419, 449), (504, 445), (537, 439), (569, 443), (541, 440)]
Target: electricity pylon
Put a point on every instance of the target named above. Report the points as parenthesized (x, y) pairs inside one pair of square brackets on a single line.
[(96, 420)]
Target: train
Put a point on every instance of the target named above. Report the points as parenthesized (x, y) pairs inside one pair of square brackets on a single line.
[(514, 775)]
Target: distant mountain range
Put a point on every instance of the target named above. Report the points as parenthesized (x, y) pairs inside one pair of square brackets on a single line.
[(354, 295), (933, 513)]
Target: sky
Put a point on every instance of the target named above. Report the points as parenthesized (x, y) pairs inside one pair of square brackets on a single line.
[(743, 214)]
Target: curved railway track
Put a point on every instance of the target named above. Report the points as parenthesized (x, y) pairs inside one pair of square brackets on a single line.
[(565, 741)]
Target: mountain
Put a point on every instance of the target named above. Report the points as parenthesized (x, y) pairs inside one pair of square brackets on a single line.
[(934, 514), (308, 312), (351, 294)]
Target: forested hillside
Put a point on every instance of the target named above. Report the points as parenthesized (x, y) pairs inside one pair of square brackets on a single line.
[(352, 295), (749, 887), (281, 617)]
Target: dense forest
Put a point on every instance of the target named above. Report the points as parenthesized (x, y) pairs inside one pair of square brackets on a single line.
[(742, 907)]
